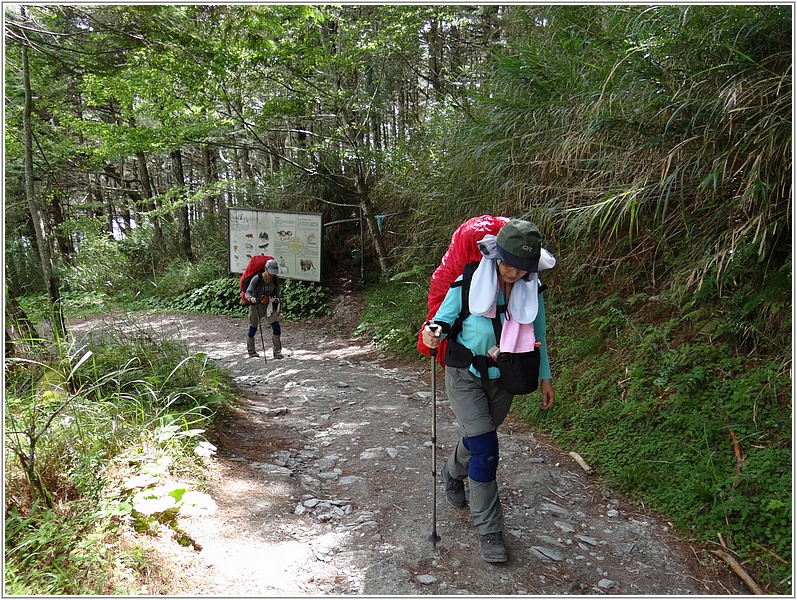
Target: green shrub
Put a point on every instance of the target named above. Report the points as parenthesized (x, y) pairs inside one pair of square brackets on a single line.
[(23, 269), (50, 552), (182, 277), (98, 267), (303, 299), (144, 260), (673, 415), (299, 299), (217, 297), (394, 312), (127, 404)]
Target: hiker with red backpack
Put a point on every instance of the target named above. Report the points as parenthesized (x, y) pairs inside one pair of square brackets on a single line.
[(492, 320), (260, 289)]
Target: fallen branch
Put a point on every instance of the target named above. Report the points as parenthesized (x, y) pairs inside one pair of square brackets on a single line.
[(737, 452), (739, 570), (722, 541), (581, 462), (768, 551)]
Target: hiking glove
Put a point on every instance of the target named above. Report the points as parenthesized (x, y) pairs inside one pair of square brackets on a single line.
[(265, 300)]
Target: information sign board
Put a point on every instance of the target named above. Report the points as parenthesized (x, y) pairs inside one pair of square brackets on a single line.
[(293, 239)]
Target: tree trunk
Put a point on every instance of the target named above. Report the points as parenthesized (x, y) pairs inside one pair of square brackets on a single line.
[(435, 57), (110, 211), (366, 206), (146, 191), (59, 326), (373, 229), (183, 227), (246, 167), (63, 239), (127, 218), (209, 177), (240, 191), (97, 197)]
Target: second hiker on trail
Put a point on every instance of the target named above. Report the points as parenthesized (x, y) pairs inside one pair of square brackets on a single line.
[(260, 290), (494, 319)]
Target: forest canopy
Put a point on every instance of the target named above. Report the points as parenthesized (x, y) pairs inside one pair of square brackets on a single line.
[(664, 130)]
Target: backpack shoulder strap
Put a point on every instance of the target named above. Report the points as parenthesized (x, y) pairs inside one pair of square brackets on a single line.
[(464, 283), (467, 278)]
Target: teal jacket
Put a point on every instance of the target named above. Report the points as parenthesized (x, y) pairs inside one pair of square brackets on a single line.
[(478, 335)]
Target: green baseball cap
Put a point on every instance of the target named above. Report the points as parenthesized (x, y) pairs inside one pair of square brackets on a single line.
[(519, 244)]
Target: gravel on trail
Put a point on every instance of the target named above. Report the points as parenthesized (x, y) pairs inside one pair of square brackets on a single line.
[(323, 483)]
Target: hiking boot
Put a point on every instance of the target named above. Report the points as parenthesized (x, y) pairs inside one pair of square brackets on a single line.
[(492, 547), (277, 345), (250, 347), (455, 489)]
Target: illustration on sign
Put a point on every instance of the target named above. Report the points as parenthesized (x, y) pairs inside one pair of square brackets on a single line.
[(293, 239)]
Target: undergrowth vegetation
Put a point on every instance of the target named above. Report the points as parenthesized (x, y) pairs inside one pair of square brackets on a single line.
[(677, 419), (391, 313), (298, 299), (97, 439), (100, 438), (222, 296)]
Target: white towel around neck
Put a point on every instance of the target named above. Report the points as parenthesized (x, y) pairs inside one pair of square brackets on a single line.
[(483, 293)]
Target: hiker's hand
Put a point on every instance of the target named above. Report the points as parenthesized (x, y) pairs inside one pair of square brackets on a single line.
[(546, 389), (265, 300), (431, 335)]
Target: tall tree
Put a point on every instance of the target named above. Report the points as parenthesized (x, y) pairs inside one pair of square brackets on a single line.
[(42, 237), (183, 226)]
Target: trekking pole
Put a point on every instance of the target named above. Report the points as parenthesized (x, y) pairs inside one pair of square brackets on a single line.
[(434, 538), (262, 342)]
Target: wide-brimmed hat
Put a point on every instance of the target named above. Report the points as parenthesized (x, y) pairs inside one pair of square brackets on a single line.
[(519, 244)]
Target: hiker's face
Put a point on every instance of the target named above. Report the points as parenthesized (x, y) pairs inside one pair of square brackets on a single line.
[(508, 273)]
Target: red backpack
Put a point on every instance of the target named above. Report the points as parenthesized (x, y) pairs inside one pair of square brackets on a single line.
[(257, 264), (462, 250)]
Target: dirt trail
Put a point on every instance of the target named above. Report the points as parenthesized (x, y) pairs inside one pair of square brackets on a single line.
[(324, 487)]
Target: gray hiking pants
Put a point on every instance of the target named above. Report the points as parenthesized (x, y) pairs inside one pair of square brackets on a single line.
[(258, 312), (479, 409)]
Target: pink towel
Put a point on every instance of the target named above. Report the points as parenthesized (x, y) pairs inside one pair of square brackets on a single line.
[(516, 336)]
